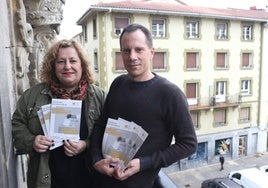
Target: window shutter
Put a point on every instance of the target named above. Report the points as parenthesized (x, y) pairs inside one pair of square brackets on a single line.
[(191, 90), (191, 60), (159, 60), (221, 60)]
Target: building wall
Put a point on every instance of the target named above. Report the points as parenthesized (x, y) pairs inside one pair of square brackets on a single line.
[(8, 176), (176, 45), (263, 118), (21, 47)]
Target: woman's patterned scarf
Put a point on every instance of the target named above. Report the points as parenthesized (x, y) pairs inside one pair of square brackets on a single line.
[(61, 93)]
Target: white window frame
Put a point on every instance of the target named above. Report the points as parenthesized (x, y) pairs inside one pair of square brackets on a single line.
[(221, 91), (245, 87), (118, 31), (195, 115), (193, 101), (192, 29), (159, 30), (222, 33), (247, 32)]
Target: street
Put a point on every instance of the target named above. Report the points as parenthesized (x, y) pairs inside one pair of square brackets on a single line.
[(194, 177)]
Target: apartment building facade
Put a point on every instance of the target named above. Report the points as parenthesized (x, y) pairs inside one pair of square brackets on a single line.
[(216, 56)]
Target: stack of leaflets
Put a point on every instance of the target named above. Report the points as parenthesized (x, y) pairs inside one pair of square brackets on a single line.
[(60, 120), (122, 139)]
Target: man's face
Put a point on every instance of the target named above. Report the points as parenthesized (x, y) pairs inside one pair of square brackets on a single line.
[(136, 54)]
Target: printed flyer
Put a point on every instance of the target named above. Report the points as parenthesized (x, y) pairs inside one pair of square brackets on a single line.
[(61, 119), (122, 139)]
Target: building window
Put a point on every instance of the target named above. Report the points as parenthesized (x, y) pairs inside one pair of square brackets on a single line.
[(85, 32), (96, 64), (220, 91), (159, 61), (195, 118), (120, 24), (246, 60), (244, 115), (192, 60), (223, 146), (245, 87), (119, 65), (221, 60), (220, 117), (222, 31), (192, 29), (158, 28), (192, 93), (242, 145), (247, 32), (201, 152), (94, 28)]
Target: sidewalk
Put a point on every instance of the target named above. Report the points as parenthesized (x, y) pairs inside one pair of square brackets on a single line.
[(194, 177)]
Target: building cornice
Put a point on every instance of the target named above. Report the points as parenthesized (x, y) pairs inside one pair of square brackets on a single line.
[(160, 8)]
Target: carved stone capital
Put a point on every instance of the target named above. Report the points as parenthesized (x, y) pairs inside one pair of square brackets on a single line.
[(44, 12)]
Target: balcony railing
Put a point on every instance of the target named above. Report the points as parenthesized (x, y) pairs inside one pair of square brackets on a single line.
[(214, 102)]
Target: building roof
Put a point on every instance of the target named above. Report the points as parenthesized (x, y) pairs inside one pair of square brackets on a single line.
[(177, 8)]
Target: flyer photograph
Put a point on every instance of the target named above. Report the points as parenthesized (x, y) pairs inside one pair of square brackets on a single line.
[(65, 119), (116, 139)]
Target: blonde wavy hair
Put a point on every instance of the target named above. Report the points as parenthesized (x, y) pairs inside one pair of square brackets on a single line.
[(47, 72)]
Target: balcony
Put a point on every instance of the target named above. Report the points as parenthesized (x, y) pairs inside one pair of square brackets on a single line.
[(207, 103)]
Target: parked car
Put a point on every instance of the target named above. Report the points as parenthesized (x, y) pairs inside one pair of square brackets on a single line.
[(264, 169), (222, 182), (249, 178)]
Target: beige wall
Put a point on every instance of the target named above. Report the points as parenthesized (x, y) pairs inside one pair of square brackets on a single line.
[(176, 45)]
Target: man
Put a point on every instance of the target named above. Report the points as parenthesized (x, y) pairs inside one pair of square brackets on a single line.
[(221, 161), (150, 101)]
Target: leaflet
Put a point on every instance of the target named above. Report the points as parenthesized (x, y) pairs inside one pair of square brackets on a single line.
[(138, 140), (122, 139), (60, 120), (46, 109), (65, 119), (42, 121)]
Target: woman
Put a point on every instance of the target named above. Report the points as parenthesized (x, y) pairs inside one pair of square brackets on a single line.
[(65, 74)]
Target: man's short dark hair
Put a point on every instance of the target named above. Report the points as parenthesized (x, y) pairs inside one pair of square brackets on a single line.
[(133, 27)]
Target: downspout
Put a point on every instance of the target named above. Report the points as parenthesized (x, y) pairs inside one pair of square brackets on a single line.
[(261, 69), (106, 50), (262, 109)]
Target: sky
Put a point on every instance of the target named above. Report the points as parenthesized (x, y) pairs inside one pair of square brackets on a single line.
[(74, 9)]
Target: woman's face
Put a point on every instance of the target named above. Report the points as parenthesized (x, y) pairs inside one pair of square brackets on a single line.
[(68, 68)]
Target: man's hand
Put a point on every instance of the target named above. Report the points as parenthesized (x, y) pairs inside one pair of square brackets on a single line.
[(104, 166), (73, 148), (42, 143), (133, 167)]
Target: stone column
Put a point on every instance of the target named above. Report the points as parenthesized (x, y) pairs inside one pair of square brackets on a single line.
[(45, 16), (28, 27)]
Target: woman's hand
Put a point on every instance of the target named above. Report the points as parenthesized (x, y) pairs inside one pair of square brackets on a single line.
[(73, 148), (42, 143)]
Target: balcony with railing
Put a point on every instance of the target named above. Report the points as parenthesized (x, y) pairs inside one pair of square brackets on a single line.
[(214, 102)]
